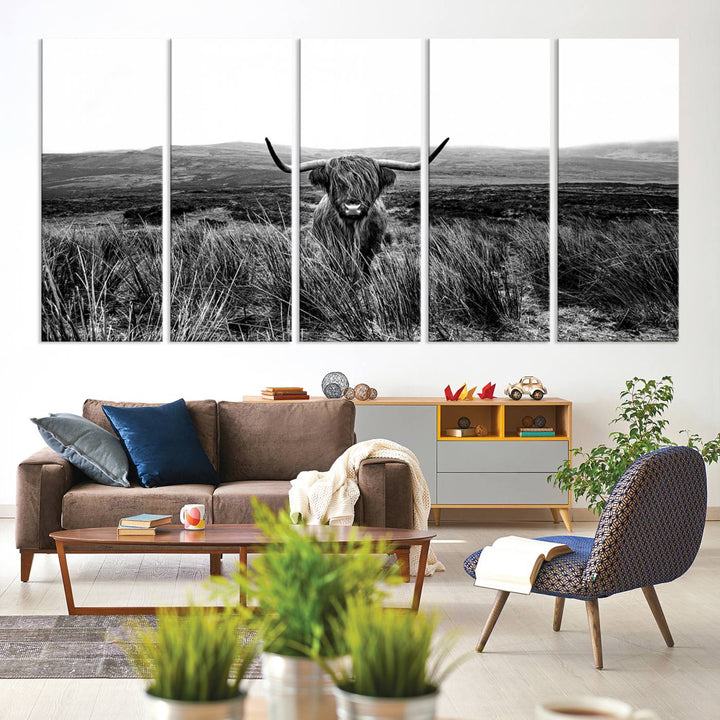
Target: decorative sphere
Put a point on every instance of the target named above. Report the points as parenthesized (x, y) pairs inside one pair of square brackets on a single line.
[(464, 423), (332, 390), (336, 378), (373, 394), (539, 421), (527, 421), (362, 391), (481, 430), (349, 393)]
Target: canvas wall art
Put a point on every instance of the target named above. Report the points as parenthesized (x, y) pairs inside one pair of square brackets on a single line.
[(618, 190), (231, 207), (103, 129), (360, 190), (488, 254)]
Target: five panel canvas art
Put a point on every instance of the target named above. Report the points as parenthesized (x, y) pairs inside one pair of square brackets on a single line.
[(360, 213)]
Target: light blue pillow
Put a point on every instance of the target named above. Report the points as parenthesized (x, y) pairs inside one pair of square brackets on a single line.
[(98, 453)]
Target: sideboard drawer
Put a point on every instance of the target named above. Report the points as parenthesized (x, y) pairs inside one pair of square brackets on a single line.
[(509, 488), (502, 456)]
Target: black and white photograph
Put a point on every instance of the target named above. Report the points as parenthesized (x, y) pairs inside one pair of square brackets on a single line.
[(360, 190), (488, 195), (103, 128), (618, 190), (231, 205)]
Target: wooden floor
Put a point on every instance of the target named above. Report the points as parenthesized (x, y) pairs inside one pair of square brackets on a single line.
[(524, 659)]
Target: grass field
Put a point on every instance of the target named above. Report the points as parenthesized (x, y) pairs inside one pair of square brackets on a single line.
[(230, 280), (101, 280)]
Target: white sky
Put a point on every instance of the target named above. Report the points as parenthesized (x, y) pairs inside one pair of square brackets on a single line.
[(360, 93), (490, 92), (229, 90), (103, 94), (618, 90)]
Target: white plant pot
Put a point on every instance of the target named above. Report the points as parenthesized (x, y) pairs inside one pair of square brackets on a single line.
[(363, 707), (296, 689), (162, 709)]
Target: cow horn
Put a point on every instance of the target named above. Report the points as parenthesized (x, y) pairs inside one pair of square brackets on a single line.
[(304, 167), (400, 165)]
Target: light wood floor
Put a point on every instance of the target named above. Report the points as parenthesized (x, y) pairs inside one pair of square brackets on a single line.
[(524, 659)]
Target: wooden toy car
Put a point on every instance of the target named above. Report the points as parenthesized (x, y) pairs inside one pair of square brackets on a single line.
[(527, 385)]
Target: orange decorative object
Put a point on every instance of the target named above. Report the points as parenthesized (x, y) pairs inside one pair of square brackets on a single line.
[(488, 392)]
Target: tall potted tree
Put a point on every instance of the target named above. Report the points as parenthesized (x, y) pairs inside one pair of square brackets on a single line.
[(195, 661), (642, 408), (302, 587)]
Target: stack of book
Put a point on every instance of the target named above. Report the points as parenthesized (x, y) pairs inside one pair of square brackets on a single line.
[(536, 432), (143, 524), (284, 393)]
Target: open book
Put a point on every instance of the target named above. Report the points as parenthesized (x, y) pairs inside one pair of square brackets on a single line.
[(512, 563)]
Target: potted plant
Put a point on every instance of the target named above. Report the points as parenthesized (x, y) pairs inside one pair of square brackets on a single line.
[(643, 404), (302, 586), (195, 659), (394, 669)]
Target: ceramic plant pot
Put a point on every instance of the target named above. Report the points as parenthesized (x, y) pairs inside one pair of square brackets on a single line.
[(296, 689), (363, 707), (162, 709)]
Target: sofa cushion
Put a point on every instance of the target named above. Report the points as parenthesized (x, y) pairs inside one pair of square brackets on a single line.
[(281, 439), (162, 443), (202, 412), (232, 501), (91, 505), (95, 451)]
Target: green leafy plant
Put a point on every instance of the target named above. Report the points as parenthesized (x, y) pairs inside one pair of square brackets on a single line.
[(392, 653), (642, 407), (200, 655), (302, 584)]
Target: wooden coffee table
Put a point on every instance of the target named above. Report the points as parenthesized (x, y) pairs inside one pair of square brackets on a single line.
[(214, 541)]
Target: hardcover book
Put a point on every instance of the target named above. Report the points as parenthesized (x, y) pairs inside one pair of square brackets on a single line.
[(145, 520)]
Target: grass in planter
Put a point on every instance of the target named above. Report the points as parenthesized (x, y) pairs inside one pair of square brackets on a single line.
[(303, 586), (392, 653), (197, 656)]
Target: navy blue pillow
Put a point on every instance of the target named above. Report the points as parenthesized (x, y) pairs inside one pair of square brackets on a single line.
[(162, 443)]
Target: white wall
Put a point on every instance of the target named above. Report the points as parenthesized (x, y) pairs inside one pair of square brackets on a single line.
[(39, 378)]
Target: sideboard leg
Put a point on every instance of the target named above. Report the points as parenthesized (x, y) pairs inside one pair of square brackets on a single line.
[(436, 514), (565, 515), (556, 515)]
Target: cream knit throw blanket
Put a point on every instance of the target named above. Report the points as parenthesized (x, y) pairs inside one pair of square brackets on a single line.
[(329, 497)]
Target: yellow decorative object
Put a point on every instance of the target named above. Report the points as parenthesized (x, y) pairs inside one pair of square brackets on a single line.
[(469, 393), (527, 421), (481, 430)]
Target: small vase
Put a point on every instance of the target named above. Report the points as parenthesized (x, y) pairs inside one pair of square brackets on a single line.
[(162, 709), (296, 688), (364, 707)]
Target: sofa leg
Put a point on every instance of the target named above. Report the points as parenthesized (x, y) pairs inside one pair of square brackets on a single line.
[(26, 561), (403, 558), (216, 563), (593, 615)]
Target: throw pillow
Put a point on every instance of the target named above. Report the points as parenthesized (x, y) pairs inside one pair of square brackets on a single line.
[(98, 453), (163, 444)]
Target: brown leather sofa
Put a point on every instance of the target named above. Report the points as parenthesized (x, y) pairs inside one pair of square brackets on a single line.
[(256, 448)]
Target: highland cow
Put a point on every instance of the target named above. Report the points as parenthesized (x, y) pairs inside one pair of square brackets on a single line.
[(352, 212)]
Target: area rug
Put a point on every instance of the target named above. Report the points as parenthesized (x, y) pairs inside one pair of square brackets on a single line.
[(68, 646)]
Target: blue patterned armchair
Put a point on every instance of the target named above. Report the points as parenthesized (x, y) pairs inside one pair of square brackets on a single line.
[(649, 533)]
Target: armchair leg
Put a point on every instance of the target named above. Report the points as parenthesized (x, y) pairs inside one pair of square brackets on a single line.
[(593, 615), (557, 615), (500, 600), (26, 561), (654, 603)]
